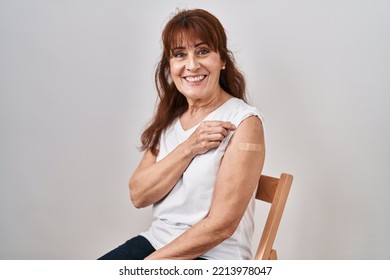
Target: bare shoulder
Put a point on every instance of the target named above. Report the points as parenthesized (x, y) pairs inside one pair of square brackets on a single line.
[(249, 132)]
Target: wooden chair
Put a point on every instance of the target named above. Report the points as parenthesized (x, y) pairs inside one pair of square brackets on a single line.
[(274, 191)]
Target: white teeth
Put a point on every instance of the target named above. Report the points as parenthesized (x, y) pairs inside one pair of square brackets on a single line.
[(195, 79)]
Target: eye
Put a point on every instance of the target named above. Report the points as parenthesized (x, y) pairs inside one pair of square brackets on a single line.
[(178, 54), (203, 51)]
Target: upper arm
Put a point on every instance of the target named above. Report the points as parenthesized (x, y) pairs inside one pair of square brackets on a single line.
[(239, 173)]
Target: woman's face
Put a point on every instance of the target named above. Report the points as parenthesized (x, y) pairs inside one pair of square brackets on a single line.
[(195, 70)]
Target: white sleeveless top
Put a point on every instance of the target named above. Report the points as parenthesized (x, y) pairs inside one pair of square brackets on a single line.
[(190, 199)]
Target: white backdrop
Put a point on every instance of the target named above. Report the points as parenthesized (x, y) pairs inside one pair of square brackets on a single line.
[(76, 90)]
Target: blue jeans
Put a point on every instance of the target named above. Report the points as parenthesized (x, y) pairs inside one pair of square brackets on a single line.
[(137, 248)]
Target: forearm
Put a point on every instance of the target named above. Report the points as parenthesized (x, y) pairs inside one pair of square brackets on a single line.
[(152, 182), (196, 241)]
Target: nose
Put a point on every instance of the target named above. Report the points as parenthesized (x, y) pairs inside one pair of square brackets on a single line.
[(192, 63)]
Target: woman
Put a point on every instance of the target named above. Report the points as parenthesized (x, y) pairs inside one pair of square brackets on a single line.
[(203, 151)]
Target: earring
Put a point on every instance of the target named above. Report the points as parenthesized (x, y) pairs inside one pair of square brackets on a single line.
[(223, 67)]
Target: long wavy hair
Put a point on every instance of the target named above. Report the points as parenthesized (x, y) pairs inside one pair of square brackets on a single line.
[(188, 24)]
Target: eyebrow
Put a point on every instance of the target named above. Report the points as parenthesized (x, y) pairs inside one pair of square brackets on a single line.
[(182, 48)]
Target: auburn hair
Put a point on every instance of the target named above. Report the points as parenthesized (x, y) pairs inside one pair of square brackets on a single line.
[(188, 25)]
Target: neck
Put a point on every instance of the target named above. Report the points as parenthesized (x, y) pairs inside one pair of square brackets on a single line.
[(206, 106), (199, 109)]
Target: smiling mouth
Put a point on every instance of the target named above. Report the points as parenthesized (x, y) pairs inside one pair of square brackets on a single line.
[(195, 79)]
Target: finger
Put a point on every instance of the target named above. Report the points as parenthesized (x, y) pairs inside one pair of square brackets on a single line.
[(228, 125), (217, 137), (217, 130), (205, 146), (205, 138)]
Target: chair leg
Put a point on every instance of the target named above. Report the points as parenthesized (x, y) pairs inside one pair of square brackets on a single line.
[(273, 255)]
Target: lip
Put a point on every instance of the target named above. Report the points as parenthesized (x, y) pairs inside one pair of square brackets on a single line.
[(194, 79)]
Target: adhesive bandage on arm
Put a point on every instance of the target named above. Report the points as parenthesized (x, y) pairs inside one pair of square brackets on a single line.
[(250, 147)]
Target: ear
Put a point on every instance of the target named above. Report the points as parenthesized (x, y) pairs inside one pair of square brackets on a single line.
[(223, 62)]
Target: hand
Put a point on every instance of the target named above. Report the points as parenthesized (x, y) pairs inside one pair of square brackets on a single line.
[(208, 135)]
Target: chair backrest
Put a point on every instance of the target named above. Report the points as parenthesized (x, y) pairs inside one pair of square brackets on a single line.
[(274, 191)]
